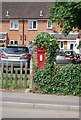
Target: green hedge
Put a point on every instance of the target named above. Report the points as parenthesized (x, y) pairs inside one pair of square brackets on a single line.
[(54, 79), (64, 80)]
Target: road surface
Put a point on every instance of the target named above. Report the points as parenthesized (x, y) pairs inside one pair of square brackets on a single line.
[(19, 112)]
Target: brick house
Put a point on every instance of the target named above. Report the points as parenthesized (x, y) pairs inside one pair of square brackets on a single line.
[(22, 21)]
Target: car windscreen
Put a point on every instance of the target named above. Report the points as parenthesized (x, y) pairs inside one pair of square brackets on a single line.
[(16, 50)]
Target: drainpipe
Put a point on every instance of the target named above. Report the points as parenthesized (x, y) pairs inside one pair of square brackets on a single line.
[(23, 33)]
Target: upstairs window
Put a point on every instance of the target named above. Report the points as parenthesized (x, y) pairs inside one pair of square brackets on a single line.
[(32, 25), (49, 24), (13, 24)]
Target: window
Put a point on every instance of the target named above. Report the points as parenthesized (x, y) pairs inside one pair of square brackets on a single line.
[(14, 24), (61, 44), (49, 24), (16, 50), (11, 42), (32, 25), (15, 42)]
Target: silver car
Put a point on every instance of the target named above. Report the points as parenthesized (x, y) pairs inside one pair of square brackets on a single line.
[(15, 54), (66, 57), (1, 50)]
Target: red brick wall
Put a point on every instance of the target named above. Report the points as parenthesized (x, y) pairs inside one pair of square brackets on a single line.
[(12, 34), (30, 34), (56, 27)]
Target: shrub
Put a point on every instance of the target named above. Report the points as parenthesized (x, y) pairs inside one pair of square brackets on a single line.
[(53, 78), (65, 80)]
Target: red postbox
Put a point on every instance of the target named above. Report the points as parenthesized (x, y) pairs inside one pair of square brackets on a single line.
[(40, 56)]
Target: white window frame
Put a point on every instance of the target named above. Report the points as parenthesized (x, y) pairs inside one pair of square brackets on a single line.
[(13, 28), (13, 42), (32, 25), (48, 24), (60, 45)]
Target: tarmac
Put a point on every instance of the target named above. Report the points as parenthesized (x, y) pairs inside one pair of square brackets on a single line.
[(42, 101)]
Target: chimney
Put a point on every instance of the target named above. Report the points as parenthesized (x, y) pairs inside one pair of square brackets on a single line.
[(7, 14), (41, 13)]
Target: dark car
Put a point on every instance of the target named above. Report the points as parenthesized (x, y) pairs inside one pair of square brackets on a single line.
[(15, 54), (78, 58)]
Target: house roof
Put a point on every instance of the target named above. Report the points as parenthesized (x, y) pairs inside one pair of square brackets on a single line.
[(2, 36), (26, 10), (70, 36)]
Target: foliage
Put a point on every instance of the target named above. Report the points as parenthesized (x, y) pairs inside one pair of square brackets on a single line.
[(79, 46), (50, 44), (67, 14), (46, 41), (54, 79), (13, 84), (66, 80)]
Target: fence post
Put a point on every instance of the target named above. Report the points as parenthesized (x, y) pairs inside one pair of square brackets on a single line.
[(21, 67), (11, 74), (26, 68), (31, 80), (2, 74), (6, 75)]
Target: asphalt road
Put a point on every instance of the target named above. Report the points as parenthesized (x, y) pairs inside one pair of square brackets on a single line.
[(29, 105), (40, 98), (19, 112)]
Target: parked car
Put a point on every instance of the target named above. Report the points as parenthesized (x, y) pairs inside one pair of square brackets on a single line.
[(78, 58), (16, 54), (1, 50), (70, 55), (66, 57)]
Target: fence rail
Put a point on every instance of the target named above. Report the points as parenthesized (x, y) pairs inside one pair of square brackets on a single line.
[(13, 77)]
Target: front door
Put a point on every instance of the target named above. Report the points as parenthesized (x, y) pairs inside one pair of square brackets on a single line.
[(71, 46)]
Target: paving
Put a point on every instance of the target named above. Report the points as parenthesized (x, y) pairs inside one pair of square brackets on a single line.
[(36, 100)]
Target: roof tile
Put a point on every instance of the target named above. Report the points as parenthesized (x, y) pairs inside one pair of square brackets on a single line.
[(25, 10)]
